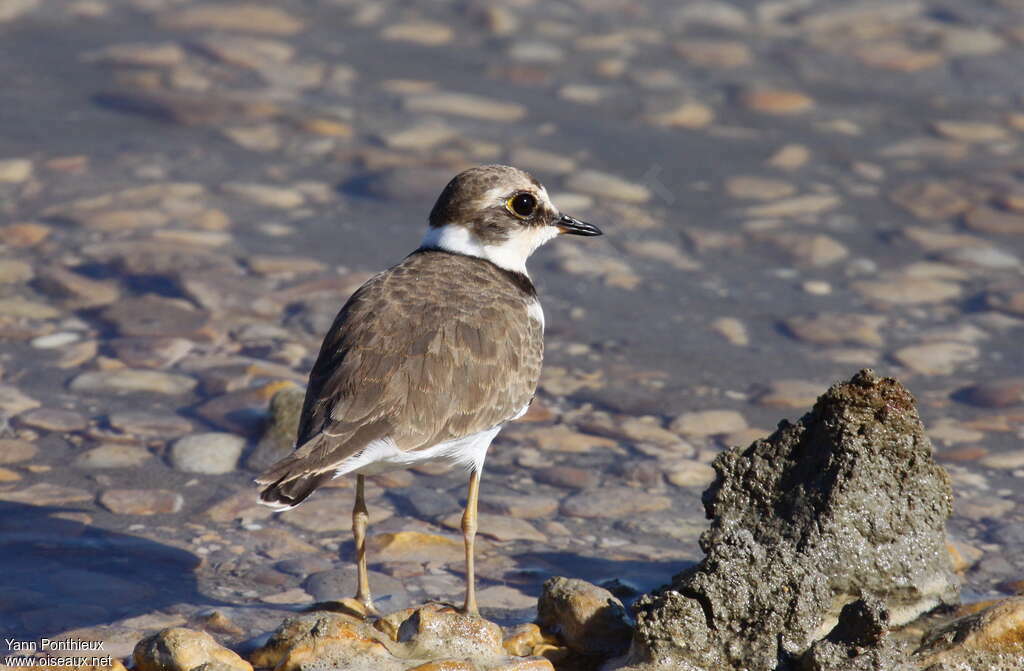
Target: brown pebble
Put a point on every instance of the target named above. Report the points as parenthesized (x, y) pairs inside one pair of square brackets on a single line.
[(569, 477)]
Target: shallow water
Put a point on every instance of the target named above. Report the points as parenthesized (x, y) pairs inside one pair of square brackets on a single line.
[(632, 317)]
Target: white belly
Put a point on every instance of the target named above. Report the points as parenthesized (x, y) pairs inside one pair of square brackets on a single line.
[(382, 456)]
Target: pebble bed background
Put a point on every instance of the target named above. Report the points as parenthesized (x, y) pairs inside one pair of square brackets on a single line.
[(790, 190)]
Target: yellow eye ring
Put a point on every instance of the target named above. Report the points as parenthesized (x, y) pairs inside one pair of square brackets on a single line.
[(521, 205)]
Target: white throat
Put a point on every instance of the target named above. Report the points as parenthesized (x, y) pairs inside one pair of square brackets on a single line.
[(510, 255)]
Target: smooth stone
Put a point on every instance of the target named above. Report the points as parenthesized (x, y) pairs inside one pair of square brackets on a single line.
[(157, 352), (567, 477), (209, 453), (775, 101), (13, 271), (14, 402), (523, 507), (758, 188), (426, 33), (113, 456), (47, 494), (141, 501), (415, 546), (338, 583), (708, 422), (1009, 461), (55, 340), (19, 308), (932, 200), (690, 473), (498, 527), (936, 358), (54, 419), (267, 195), (425, 503), (238, 17), (133, 380), (13, 450), (798, 206), (150, 425), (907, 291), (613, 502), (14, 170), (153, 316), (605, 185), (798, 394), (465, 105), (331, 514), (830, 328), (1002, 393)]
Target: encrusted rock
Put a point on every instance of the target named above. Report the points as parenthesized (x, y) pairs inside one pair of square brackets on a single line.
[(587, 618), (991, 639), (439, 631), (847, 503), (180, 649)]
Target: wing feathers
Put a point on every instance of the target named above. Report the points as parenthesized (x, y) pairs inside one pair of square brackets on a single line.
[(437, 348)]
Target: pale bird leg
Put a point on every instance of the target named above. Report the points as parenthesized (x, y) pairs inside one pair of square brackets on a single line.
[(469, 535), (360, 519)]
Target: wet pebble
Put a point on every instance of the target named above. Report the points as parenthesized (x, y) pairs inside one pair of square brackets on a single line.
[(829, 328), (799, 394), (567, 477), (465, 105), (331, 513), (141, 501), (113, 456), (47, 494), (267, 195), (990, 220), (498, 527), (240, 17), (1009, 461), (604, 185), (1002, 393), (15, 170), (613, 502), (53, 419), (14, 402), (209, 453), (777, 101), (708, 422), (150, 424), (13, 271), (414, 546), (525, 507), (133, 380), (156, 352), (907, 291), (758, 188), (936, 358), (76, 289), (690, 473), (13, 450)]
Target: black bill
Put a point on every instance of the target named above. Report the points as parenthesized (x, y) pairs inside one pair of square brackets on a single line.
[(573, 226)]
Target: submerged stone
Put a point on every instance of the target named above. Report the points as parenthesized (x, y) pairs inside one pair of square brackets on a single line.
[(845, 504)]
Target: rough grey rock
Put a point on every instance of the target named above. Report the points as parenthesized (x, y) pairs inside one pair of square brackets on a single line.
[(858, 643), (279, 431), (844, 504)]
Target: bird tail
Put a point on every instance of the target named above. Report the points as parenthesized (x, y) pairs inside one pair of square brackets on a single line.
[(287, 492)]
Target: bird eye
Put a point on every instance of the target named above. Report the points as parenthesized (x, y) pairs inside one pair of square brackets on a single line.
[(522, 205)]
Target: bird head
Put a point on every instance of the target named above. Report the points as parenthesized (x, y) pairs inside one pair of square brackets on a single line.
[(499, 213)]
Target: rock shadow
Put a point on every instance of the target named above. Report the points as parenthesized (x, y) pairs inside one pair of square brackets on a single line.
[(61, 574)]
